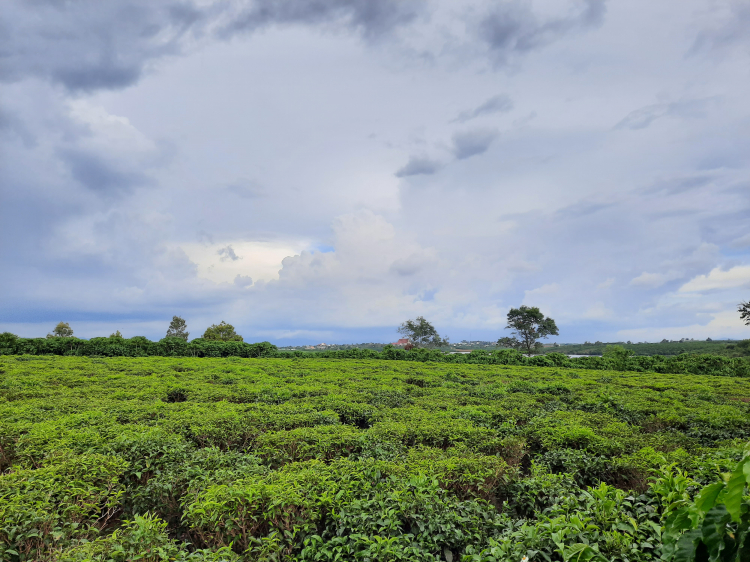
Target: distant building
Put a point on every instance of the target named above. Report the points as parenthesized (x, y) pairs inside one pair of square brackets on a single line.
[(403, 342)]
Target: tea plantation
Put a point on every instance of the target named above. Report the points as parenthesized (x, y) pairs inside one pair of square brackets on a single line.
[(204, 459)]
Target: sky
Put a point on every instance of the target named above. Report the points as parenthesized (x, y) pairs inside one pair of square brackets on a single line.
[(322, 170)]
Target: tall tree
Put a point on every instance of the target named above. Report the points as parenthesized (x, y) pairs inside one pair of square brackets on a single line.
[(528, 325), (221, 332), (744, 309), (62, 330), (421, 333), (177, 328)]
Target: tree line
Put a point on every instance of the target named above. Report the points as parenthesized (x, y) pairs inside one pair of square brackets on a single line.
[(528, 325)]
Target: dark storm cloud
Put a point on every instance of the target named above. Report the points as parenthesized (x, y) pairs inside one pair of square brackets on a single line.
[(512, 28), (500, 103), (99, 174), (418, 165), (471, 143)]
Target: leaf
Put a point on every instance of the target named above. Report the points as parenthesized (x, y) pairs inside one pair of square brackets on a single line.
[(707, 496), (735, 488)]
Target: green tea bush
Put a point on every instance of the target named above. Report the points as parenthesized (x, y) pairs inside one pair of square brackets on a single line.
[(68, 499), (247, 459)]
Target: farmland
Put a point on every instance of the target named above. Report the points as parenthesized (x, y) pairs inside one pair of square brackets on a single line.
[(178, 458)]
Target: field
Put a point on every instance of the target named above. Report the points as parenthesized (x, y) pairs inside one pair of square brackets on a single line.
[(290, 459)]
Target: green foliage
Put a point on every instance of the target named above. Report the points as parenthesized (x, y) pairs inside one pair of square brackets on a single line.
[(145, 539), (744, 309), (421, 334), (177, 329), (528, 325), (221, 332), (715, 525), (62, 330), (68, 499), (245, 459)]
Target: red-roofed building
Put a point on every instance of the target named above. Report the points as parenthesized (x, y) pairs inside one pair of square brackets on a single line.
[(403, 342)]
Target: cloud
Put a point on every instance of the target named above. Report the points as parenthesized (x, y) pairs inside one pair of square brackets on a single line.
[(650, 280), (101, 174), (413, 264), (718, 279), (500, 103), (227, 253), (371, 19), (726, 25), (511, 28), (89, 45), (643, 117), (418, 165), (247, 189), (472, 143)]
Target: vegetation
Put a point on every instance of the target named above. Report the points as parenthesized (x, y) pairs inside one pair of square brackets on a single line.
[(528, 326), (177, 347), (62, 330), (178, 458), (220, 332), (178, 328), (744, 309), (728, 348), (421, 334)]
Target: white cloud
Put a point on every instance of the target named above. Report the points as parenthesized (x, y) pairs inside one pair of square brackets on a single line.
[(598, 311), (717, 279), (718, 325), (260, 260), (650, 280)]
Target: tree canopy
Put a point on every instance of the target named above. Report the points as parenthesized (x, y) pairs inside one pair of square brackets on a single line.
[(221, 332), (421, 333), (528, 325), (177, 328), (744, 310), (62, 330)]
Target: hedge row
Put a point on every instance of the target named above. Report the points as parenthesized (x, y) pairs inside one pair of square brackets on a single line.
[(704, 364)]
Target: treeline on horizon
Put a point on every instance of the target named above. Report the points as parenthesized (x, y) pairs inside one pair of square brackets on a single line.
[(614, 359)]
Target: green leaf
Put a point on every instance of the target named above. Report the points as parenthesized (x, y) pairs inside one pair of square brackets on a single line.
[(735, 488), (707, 496)]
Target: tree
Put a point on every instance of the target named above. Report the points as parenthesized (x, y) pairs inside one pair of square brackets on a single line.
[(744, 309), (117, 335), (62, 330), (177, 328), (618, 355), (221, 332), (421, 333), (528, 325)]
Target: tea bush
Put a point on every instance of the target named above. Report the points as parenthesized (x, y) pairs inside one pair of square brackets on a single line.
[(245, 459)]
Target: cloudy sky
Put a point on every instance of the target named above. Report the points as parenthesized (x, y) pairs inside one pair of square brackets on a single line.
[(322, 170)]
